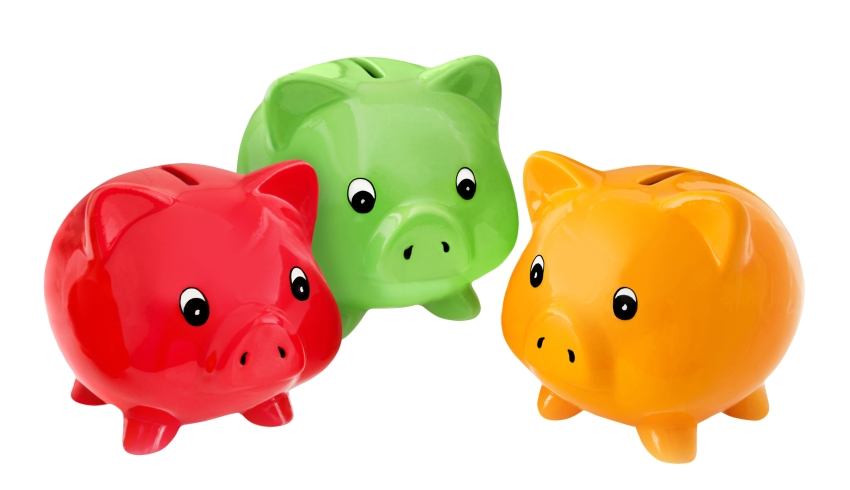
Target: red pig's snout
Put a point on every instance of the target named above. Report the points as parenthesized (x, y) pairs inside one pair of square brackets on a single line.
[(263, 353)]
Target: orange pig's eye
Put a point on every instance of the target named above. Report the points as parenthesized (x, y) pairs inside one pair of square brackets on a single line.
[(625, 304), (537, 271)]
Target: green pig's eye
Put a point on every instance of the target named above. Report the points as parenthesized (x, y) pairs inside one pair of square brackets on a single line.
[(361, 195), (465, 183)]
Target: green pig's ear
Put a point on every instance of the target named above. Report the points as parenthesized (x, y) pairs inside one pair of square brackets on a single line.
[(291, 99), (474, 77)]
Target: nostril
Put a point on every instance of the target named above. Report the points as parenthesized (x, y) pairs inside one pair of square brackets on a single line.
[(244, 358), (445, 247), (282, 352), (407, 252), (540, 342), (572, 355)]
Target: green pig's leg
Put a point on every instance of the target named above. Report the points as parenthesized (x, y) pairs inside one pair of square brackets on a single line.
[(463, 305), (350, 319)]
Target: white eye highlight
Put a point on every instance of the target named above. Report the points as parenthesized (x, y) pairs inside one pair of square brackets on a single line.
[(464, 174), (625, 292), (189, 294), (295, 273), (538, 260)]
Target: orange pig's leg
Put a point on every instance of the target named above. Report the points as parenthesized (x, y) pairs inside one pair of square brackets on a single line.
[(553, 407), (670, 437), (753, 407)]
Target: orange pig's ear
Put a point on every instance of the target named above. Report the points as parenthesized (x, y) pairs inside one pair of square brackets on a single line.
[(547, 174), (720, 218)]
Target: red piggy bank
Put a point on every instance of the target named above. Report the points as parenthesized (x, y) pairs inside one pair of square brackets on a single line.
[(182, 293)]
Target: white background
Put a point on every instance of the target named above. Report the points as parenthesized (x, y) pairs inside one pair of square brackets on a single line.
[(757, 93)]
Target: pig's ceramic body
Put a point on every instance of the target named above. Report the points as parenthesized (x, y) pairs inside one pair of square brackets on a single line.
[(653, 296), (416, 201), (183, 293)]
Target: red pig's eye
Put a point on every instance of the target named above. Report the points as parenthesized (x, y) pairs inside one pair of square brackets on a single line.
[(194, 306), (298, 283)]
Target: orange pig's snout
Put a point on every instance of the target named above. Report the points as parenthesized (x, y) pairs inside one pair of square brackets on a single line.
[(557, 352)]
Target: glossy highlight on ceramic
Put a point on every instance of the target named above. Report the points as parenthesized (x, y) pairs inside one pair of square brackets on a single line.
[(182, 293), (653, 296), (416, 201)]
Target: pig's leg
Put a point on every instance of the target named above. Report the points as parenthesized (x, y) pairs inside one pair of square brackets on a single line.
[(670, 437), (753, 407), (350, 319), (463, 305), (147, 430), (553, 407), (273, 412), (81, 394)]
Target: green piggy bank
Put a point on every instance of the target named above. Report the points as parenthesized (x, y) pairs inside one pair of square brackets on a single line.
[(415, 199)]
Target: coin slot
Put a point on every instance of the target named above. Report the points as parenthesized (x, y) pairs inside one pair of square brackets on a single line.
[(660, 175), (370, 68), (185, 178)]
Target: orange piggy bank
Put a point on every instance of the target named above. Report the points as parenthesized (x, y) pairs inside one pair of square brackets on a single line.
[(653, 296)]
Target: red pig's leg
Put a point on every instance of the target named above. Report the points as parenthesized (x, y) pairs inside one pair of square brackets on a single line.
[(670, 437), (753, 407), (553, 407), (147, 430), (81, 394), (274, 412)]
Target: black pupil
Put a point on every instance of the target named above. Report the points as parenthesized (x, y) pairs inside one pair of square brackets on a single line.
[(466, 189), (196, 312), (363, 202), (300, 289), (625, 307), (536, 275)]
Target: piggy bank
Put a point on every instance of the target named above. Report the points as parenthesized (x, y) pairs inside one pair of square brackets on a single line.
[(653, 296), (416, 200), (182, 293)]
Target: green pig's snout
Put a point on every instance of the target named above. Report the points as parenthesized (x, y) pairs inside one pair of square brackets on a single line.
[(419, 242)]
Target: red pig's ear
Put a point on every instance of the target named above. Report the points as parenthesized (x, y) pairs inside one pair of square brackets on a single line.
[(113, 208), (294, 182)]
